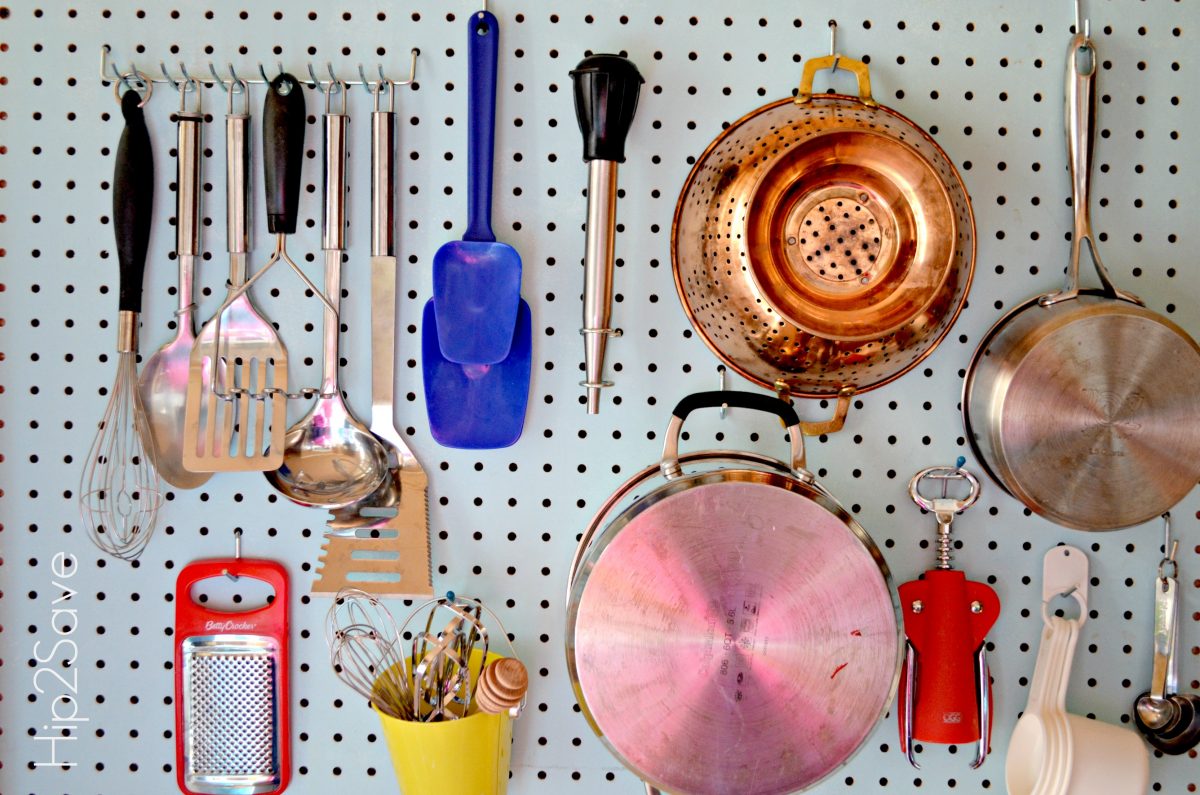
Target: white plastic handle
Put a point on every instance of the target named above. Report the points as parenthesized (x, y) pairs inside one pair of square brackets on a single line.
[(1065, 573)]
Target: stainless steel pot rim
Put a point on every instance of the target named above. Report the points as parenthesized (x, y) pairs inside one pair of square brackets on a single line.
[(1030, 502), (972, 368)]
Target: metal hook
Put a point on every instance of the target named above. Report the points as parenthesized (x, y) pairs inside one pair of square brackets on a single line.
[(217, 81), (313, 78), (833, 44), (368, 86), (120, 79), (263, 71), (237, 552), (1170, 548), (412, 69), (721, 387), (333, 87)]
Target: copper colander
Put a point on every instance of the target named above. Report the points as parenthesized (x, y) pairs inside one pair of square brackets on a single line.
[(823, 244)]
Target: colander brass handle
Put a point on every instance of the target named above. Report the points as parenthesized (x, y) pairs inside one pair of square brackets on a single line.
[(815, 65)]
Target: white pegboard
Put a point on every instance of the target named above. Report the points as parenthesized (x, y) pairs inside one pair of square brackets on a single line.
[(984, 79)]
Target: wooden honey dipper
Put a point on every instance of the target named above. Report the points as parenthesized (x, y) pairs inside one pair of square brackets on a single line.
[(502, 685)]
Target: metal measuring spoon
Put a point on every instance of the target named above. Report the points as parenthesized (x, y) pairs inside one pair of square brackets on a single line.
[(330, 459), (1170, 720)]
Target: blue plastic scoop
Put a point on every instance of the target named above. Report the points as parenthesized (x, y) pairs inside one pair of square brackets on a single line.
[(477, 406), (477, 281)]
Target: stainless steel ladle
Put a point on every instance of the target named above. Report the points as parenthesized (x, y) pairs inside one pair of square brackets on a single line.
[(331, 459)]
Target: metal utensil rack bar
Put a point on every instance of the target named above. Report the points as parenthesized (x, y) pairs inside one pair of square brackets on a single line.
[(137, 80), (110, 73)]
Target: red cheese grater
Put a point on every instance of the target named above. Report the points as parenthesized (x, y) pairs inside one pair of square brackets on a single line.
[(231, 686), (945, 689)]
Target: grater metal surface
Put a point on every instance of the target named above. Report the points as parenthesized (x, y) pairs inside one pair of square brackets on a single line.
[(231, 686), (231, 713)]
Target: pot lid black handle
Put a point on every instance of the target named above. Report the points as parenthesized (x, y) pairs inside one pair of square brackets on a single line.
[(742, 400), (606, 97)]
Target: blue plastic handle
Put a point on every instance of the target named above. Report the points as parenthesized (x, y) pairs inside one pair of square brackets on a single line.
[(483, 49)]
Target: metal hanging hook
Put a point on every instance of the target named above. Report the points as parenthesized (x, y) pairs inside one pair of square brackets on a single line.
[(237, 552), (721, 387), (374, 88), (833, 44), (1170, 548), (1082, 26), (234, 85), (412, 69), (263, 72), (120, 79)]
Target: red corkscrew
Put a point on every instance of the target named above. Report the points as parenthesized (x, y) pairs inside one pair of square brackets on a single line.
[(945, 688)]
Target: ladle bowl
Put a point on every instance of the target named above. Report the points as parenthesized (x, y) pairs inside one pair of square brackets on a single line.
[(330, 459)]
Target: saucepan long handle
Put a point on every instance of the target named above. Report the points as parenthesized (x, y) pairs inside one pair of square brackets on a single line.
[(1080, 125)]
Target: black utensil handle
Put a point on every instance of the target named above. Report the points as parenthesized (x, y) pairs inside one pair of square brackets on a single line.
[(606, 97), (284, 120), (739, 400), (133, 201)]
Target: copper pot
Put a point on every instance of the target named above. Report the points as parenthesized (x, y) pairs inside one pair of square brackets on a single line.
[(823, 244)]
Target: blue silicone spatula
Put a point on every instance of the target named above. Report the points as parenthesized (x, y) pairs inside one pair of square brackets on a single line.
[(477, 281), (477, 406)]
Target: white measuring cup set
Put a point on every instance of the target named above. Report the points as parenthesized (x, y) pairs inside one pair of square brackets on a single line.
[(1052, 751)]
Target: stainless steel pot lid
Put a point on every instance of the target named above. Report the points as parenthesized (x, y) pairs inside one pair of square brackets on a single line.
[(733, 631)]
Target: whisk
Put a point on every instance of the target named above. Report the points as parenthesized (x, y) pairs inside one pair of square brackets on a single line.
[(436, 681), (441, 662), (119, 492), (366, 653)]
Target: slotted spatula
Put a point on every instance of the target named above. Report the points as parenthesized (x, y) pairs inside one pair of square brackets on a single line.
[(238, 423), (477, 281)]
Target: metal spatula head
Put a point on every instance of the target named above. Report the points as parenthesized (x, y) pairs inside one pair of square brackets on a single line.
[(236, 406), (477, 406), (236, 403)]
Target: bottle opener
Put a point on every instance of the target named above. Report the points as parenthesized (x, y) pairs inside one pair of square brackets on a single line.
[(945, 689)]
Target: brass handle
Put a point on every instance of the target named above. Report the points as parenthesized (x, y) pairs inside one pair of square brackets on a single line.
[(860, 70)]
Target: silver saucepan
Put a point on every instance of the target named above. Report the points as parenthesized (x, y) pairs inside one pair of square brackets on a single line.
[(1084, 404), (733, 629)]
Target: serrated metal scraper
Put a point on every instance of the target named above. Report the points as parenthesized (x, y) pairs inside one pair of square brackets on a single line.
[(381, 544)]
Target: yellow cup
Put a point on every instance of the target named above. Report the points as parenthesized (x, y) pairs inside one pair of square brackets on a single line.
[(468, 756)]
